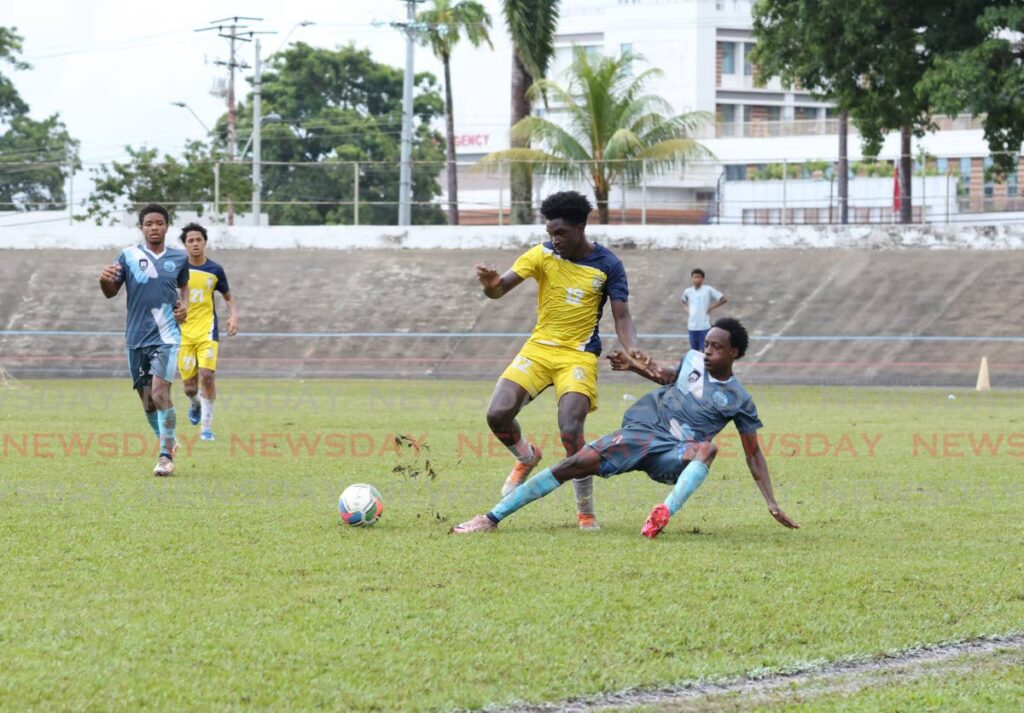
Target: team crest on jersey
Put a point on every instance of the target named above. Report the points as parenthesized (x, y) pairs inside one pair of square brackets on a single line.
[(143, 263), (209, 284), (721, 399), (598, 283), (169, 266)]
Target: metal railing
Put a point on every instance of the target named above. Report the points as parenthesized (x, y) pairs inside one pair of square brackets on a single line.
[(945, 190)]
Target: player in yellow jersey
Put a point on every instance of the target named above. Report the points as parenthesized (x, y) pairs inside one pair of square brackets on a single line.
[(197, 359), (575, 278)]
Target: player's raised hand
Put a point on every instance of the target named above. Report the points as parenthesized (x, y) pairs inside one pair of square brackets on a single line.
[(180, 311), (111, 273), (783, 518), (488, 276)]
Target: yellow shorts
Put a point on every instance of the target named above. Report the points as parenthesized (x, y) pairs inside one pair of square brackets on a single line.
[(538, 366), (201, 355)]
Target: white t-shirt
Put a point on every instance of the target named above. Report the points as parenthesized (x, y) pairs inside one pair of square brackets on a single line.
[(698, 302)]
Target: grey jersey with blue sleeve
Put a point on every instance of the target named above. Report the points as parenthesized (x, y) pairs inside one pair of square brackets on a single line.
[(152, 283), (696, 407)]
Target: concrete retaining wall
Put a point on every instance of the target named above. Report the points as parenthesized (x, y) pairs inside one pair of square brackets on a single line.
[(698, 237)]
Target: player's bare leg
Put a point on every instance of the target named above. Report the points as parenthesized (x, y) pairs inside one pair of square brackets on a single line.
[(507, 400), (696, 461), (191, 386), (207, 397), (572, 414)]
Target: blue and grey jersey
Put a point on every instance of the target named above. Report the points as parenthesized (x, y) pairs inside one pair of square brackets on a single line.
[(697, 406), (152, 283)]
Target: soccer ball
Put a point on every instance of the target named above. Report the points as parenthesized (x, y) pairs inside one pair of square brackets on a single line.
[(360, 505)]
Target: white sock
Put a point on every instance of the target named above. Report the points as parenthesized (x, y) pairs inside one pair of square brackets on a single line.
[(195, 399), (206, 413), (584, 489), (522, 450)]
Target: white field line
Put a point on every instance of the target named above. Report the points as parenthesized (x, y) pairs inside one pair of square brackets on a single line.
[(759, 683)]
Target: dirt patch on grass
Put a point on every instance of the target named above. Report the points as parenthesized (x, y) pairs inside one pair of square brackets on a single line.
[(807, 682)]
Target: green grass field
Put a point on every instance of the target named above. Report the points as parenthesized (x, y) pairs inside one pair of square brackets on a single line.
[(233, 584)]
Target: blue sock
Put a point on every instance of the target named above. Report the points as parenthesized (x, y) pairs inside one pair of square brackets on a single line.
[(536, 487), (690, 479), (154, 423), (168, 421)]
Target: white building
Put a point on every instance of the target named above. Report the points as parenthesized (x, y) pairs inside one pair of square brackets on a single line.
[(702, 47)]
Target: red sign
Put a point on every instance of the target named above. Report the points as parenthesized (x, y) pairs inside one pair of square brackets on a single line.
[(469, 140)]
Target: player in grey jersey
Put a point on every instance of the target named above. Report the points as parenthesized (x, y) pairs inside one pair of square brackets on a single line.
[(156, 281), (668, 434)]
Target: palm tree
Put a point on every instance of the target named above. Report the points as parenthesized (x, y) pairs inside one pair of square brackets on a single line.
[(532, 24), (446, 22), (613, 131)]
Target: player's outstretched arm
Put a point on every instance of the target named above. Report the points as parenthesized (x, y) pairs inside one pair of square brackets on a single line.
[(759, 469), (110, 280), (625, 329), (620, 361), (494, 283)]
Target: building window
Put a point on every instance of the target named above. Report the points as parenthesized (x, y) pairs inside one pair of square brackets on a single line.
[(964, 184), (728, 51), (726, 113), (748, 68), (990, 186), (736, 172), (1011, 184), (942, 166)]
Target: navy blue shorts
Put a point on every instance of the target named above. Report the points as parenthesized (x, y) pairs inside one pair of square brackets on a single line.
[(658, 454), (155, 360)]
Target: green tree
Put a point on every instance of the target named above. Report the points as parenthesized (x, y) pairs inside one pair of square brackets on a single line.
[(532, 25), (866, 56), (446, 22), (978, 69), (185, 183), (341, 107), (36, 157), (614, 131)]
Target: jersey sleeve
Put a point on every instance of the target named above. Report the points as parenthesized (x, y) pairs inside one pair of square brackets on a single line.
[(617, 287), (222, 281), (183, 274), (715, 294), (746, 418), (123, 272), (686, 295), (528, 264)]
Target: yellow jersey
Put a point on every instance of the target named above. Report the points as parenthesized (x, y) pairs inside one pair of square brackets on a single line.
[(203, 281), (571, 294)]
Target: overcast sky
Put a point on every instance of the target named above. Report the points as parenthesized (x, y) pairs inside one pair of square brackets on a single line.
[(112, 68)]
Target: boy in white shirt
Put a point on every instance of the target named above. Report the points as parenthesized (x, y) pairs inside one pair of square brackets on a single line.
[(699, 302)]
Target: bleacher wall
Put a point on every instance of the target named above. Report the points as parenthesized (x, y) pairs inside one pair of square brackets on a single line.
[(915, 306)]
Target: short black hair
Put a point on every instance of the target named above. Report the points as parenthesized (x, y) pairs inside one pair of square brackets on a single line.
[(196, 227), (738, 337), (696, 271), (154, 208), (570, 206)]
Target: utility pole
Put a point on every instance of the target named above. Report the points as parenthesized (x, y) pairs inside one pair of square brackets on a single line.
[(228, 28), (410, 28), (257, 119)]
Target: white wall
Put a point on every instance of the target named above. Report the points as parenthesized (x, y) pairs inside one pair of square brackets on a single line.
[(669, 237)]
